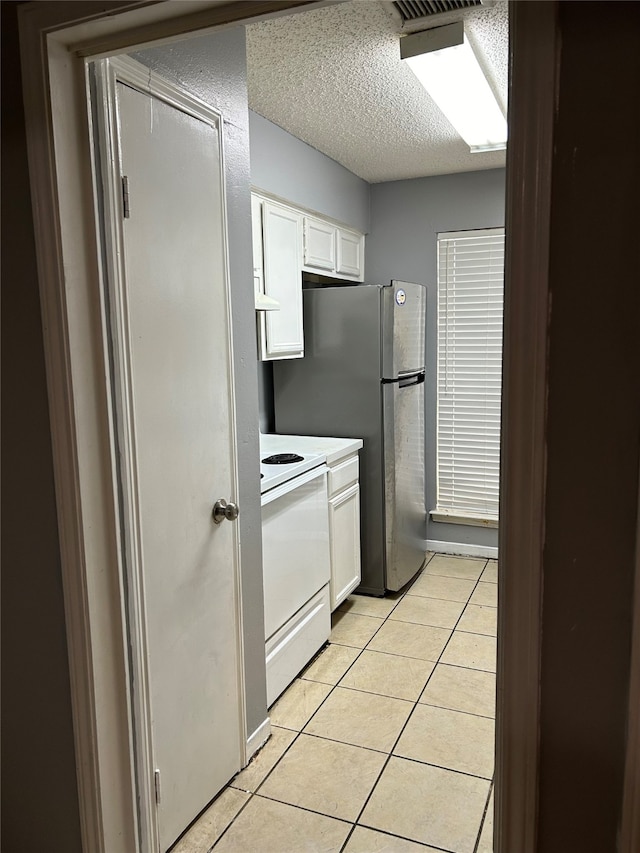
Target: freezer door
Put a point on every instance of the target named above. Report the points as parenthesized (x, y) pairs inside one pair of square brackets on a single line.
[(403, 321), (405, 513)]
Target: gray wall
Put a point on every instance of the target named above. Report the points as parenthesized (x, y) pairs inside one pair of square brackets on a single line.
[(296, 172), (293, 170), (39, 786), (405, 219), (213, 68)]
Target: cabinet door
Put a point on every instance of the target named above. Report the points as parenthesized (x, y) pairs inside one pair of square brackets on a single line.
[(281, 331), (319, 244), (344, 530), (350, 254)]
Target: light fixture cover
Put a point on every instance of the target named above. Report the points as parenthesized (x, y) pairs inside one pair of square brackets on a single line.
[(452, 76)]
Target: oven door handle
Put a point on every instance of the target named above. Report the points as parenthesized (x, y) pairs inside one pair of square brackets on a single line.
[(293, 483)]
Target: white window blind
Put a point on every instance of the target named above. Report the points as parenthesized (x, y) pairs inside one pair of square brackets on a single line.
[(470, 308)]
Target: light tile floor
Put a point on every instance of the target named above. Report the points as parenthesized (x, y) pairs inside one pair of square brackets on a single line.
[(385, 743)]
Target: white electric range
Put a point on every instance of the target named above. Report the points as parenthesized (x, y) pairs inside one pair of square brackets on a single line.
[(278, 466), (296, 559)]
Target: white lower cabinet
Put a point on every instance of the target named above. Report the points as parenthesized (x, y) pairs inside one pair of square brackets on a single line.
[(344, 529)]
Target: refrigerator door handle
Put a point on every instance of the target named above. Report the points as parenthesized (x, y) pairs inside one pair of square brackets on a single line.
[(406, 381)]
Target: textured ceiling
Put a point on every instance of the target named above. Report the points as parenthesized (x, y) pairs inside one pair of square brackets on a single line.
[(333, 78)]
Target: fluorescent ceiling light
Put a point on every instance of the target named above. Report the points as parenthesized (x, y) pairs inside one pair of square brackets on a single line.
[(444, 62)]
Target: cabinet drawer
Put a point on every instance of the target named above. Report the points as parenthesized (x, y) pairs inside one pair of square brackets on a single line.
[(296, 643), (343, 475)]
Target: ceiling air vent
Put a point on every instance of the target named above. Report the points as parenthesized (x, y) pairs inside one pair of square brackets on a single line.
[(412, 10)]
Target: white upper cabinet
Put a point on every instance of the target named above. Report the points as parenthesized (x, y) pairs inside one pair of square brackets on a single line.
[(350, 254), (333, 250), (281, 333), (319, 244), (286, 241)]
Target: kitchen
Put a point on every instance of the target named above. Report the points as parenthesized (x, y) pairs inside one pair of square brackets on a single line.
[(254, 684), (399, 213), (573, 803), (292, 180), (394, 217)]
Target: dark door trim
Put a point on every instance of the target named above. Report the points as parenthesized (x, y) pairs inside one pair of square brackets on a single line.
[(533, 61)]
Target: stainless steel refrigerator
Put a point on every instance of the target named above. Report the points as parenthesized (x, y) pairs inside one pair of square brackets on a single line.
[(362, 376)]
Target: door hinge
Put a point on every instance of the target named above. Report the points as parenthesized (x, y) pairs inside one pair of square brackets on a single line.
[(126, 212), (156, 779)]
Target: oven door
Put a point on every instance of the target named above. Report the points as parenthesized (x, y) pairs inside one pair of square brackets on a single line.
[(295, 545)]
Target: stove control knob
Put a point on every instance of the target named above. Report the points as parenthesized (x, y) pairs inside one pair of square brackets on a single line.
[(222, 510)]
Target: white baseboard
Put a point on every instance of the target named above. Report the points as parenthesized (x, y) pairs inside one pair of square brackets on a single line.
[(258, 738), (461, 549)]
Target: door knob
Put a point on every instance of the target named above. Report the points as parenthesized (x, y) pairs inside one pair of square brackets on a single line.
[(222, 510)]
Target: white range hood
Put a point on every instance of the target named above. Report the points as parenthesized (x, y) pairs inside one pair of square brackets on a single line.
[(266, 303)]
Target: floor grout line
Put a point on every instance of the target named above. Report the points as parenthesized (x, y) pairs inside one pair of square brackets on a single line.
[(415, 704), (443, 767), (484, 815), (386, 762), (390, 753)]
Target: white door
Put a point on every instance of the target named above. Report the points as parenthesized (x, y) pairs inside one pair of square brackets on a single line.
[(175, 294)]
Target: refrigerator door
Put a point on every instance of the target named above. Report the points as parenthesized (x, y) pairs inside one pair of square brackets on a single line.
[(335, 391), (405, 513), (403, 322)]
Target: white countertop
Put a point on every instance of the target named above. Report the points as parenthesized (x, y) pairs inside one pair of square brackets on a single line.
[(333, 449)]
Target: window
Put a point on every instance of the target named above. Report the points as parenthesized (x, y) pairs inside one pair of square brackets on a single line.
[(470, 307)]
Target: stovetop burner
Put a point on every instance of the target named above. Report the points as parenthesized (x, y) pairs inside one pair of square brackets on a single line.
[(282, 459)]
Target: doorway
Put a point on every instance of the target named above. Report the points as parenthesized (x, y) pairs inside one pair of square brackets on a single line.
[(64, 74)]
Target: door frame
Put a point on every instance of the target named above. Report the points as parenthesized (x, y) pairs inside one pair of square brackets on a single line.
[(54, 42), (54, 39), (533, 48), (109, 72)]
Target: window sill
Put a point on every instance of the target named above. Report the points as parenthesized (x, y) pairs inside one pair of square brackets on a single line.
[(449, 517)]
